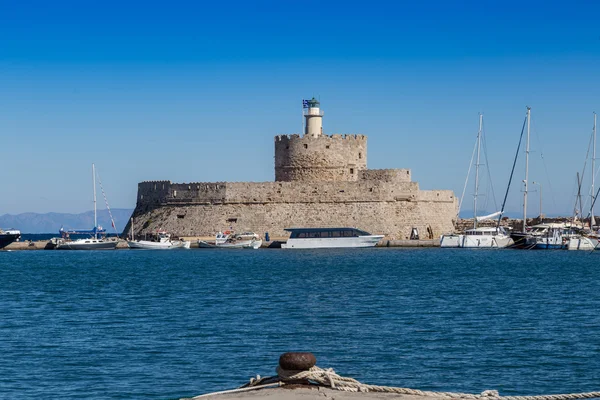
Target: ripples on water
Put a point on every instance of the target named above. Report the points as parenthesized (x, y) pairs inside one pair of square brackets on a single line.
[(169, 324)]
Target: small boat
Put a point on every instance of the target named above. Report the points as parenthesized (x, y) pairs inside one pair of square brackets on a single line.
[(162, 240), (96, 241), (321, 238), (8, 236), (231, 240)]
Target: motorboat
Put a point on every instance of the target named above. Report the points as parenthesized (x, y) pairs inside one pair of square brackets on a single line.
[(232, 240), (9, 236), (162, 240), (320, 238)]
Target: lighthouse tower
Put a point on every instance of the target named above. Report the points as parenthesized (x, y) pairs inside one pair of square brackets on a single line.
[(314, 119)]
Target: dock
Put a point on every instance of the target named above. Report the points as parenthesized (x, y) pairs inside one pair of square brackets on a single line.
[(45, 244)]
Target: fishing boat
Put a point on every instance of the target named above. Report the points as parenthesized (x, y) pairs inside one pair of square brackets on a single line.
[(232, 240), (320, 238), (160, 241), (9, 236), (478, 236), (97, 239)]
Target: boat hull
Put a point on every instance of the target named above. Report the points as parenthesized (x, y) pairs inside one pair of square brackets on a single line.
[(88, 245), (240, 244), (148, 245), (583, 243), (330, 243), (8, 238), (476, 241)]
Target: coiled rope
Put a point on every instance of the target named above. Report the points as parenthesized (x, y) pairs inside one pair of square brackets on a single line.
[(329, 378)]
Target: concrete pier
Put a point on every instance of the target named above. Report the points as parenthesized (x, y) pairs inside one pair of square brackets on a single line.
[(310, 393), (45, 245)]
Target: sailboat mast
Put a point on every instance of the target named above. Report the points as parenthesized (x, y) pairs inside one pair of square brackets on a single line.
[(477, 172), (526, 171), (95, 216), (593, 176)]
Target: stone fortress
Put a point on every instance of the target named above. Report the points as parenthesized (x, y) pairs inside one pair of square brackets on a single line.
[(320, 181)]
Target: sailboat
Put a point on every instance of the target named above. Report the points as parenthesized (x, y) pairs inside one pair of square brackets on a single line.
[(541, 236), (589, 241), (95, 242), (478, 237)]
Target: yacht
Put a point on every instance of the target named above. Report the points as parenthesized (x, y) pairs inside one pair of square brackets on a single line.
[(318, 238), (478, 236), (8, 236)]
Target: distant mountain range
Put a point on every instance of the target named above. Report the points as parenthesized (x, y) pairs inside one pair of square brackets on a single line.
[(52, 222)]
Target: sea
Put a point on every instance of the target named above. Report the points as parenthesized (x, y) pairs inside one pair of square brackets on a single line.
[(130, 324)]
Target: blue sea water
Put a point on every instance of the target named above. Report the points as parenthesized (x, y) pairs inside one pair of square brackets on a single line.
[(170, 324)]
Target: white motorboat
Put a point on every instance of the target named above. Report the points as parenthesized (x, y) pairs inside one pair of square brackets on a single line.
[(95, 242), (321, 238), (162, 241), (478, 237), (231, 240)]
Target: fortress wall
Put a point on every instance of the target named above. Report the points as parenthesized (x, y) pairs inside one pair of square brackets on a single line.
[(153, 192), (321, 158), (386, 175), (274, 192), (209, 192), (395, 219), (436, 195)]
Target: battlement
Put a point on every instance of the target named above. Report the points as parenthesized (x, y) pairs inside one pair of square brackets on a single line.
[(335, 136)]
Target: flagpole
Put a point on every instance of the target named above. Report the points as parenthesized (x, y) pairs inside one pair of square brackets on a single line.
[(302, 119)]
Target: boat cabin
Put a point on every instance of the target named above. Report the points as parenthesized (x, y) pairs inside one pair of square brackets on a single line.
[(314, 233)]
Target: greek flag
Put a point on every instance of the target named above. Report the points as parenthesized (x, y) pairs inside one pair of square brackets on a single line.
[(304, 103)]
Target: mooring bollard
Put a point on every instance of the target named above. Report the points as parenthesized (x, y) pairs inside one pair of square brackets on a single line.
[(297, 361)]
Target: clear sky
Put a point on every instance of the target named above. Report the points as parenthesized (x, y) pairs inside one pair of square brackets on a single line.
[(195, 91)]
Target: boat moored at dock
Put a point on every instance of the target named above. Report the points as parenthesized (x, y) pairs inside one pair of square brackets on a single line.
[(231, 240), (319, 238), (162, 241), (9, 236)]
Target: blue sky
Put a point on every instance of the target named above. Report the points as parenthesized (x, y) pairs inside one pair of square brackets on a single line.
[(194, 91)]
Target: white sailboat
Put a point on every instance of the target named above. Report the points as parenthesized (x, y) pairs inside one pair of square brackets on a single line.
[(478, 237), (591, 240), (95, 242)]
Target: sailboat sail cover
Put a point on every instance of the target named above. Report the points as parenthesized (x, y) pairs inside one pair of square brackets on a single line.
[(484, 217)]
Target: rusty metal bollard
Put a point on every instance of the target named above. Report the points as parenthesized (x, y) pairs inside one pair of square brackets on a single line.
[(297, 361)]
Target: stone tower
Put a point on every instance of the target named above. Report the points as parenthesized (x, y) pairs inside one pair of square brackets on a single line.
[(316, 157)]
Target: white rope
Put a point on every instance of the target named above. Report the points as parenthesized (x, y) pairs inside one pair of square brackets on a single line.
[(329, 378)]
